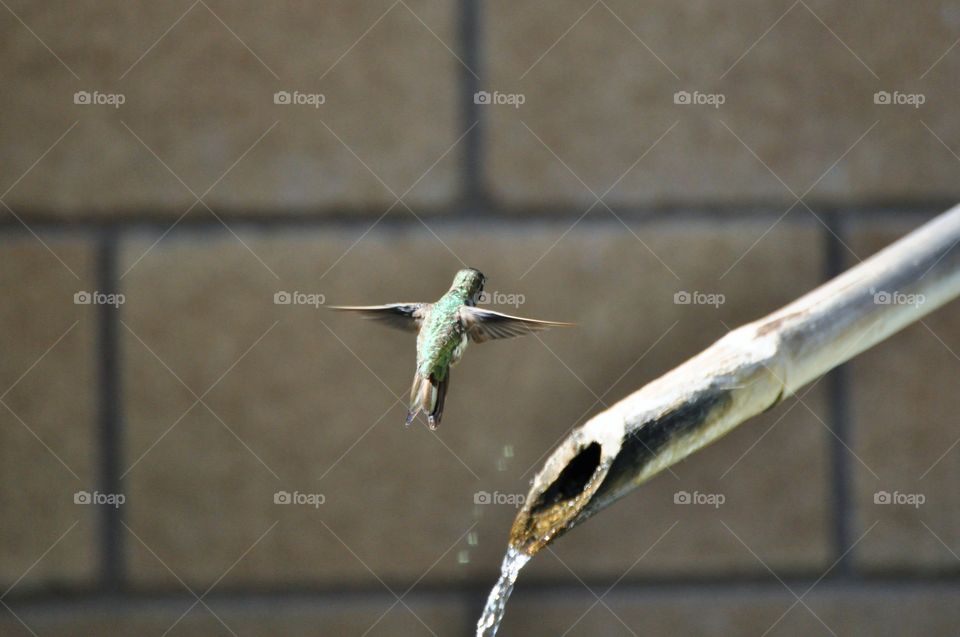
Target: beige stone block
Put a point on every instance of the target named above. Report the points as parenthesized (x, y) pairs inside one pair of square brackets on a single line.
[(295, 617), (48, 410), (904, 432), (797, 83), (737, 610), (198, 85)]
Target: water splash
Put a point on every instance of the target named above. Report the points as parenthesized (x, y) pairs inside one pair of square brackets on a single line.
[(496, 606)]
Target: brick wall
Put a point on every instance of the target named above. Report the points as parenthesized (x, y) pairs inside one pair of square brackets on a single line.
[(592, 193)]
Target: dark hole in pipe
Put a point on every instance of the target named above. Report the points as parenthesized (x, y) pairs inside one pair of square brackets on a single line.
[(572, 479)]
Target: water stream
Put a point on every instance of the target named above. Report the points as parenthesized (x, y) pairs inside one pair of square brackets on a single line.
[(496, 606)]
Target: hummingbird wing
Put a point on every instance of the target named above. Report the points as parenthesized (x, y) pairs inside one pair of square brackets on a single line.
[(404, 316), (484, 325)]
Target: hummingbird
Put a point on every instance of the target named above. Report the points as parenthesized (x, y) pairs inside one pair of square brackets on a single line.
[(443, 330)]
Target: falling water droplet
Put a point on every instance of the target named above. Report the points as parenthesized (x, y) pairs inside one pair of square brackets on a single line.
[(496, 606)]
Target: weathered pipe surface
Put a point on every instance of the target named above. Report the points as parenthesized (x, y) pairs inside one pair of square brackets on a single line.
[(746, 372)]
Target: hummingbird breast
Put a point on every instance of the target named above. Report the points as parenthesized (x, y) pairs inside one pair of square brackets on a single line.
[(442, 340)]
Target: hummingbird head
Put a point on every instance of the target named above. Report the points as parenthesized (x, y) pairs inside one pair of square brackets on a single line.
[(470, 283)]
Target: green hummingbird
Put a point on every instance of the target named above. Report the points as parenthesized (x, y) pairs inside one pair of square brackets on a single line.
[(443, 330)]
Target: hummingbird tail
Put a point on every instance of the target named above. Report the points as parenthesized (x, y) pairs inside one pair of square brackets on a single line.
[(427, 395)]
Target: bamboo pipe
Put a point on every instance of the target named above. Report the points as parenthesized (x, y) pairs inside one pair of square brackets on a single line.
[(745, 373)]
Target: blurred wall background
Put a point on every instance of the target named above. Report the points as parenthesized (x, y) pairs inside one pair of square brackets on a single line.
[(658, 173)]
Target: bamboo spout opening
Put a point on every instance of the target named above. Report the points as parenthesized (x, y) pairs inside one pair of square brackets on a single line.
[(572, 480), (564, 488)]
